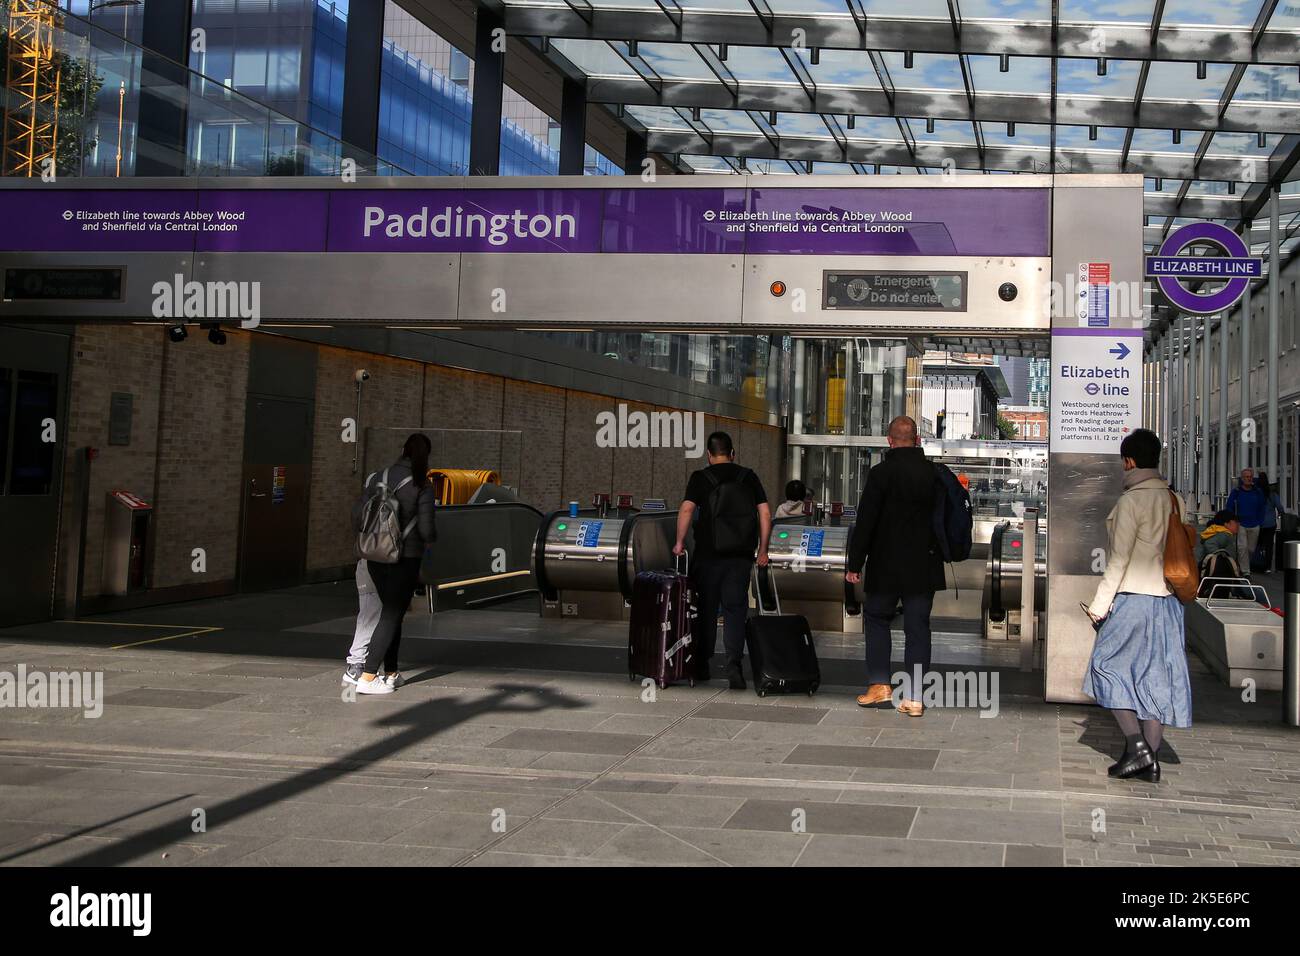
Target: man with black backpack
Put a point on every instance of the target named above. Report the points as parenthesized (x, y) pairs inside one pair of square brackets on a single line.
[(911, 517), (732, 524)]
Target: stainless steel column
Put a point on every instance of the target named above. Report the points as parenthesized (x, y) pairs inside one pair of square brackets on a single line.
[(1181, 407), (1092, 221), (1204, 440), (1244, 383), (1029, 564), (1274, 311), (1290, 633), (1190, 490), (1166, 399), (1221, 482)]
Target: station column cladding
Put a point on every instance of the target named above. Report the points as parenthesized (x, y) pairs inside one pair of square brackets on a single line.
[(1094, 220)]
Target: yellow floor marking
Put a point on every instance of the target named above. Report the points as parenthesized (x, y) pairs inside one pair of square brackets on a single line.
[(125, 624), (169, 637)]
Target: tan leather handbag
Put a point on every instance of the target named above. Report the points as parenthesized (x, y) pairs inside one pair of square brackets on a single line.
[(1181, 572)]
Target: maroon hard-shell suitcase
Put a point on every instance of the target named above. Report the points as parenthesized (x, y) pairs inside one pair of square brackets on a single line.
[(660, 639)]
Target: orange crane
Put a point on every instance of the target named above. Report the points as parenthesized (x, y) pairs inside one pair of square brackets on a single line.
[(31, 122)]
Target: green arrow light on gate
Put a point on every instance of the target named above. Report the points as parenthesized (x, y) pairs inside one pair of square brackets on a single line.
[(783, 535), (561, 526)]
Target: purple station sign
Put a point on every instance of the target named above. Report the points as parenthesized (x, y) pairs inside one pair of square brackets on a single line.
[(1233, 270), (758, 220)]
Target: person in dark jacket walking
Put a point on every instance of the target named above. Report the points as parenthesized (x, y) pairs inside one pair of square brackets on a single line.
[(396, 583), (894, 535)]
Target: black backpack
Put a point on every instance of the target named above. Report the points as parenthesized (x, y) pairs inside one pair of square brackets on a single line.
[(733, 516), (953, 520)]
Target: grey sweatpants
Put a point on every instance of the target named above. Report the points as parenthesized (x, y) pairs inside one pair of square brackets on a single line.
[(1247, 539), (369, 607)]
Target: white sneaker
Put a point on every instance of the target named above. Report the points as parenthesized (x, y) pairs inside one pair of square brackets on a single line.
[(376, 686), (394, 680)]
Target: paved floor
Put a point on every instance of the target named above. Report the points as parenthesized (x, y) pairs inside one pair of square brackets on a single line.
[(224, 739)]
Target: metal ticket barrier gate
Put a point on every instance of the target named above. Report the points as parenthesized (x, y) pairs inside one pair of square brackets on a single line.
[(581, 562), (1004, 595), (807, 565), (585, 565)]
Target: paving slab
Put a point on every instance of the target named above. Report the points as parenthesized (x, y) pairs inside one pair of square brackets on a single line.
[(509, 720)]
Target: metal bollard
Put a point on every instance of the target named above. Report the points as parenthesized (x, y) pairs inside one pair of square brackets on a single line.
[(1291, 633), (1028, 589)]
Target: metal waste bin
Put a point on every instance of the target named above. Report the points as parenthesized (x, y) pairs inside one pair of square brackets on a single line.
[(126, 536)]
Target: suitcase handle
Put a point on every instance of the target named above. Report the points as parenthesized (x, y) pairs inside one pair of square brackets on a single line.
[(765, 596), (682, 559)]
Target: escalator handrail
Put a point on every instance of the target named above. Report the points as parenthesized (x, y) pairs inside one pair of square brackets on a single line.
[(995, 570)]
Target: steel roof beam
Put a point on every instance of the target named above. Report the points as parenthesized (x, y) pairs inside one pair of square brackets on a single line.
[(982, 37), (963, 156), (1115, 112)]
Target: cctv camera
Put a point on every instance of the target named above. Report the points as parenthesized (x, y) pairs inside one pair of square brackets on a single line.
[(361, 375)]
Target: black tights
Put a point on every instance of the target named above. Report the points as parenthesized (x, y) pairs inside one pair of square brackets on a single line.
[(1149, 730)]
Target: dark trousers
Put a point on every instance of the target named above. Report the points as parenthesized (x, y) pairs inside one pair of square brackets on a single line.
[(395, 584), (723, 584), (1266, 538), (877, 611)]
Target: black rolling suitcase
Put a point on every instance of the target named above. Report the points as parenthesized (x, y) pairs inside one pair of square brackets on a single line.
[(660, 637), (781, 652)]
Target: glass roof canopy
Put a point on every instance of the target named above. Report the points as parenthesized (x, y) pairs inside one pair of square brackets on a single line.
[(1200, 96)]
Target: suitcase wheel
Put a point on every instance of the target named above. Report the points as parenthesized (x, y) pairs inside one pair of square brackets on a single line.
[(663, 685), (692, 681), (631, 675), (762, 691)]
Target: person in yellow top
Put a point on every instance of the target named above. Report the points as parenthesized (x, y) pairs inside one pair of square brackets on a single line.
[(1219, 540)]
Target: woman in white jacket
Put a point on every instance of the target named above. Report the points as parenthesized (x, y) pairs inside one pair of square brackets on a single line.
[(1138, 667)]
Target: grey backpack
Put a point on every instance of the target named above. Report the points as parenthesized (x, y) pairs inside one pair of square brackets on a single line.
[(381, 535)]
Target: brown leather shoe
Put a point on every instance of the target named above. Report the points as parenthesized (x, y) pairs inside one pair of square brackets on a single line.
[(876, 694), (912, 708)]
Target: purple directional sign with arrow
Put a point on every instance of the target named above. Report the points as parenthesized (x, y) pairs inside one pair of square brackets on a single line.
[(1170, 268)]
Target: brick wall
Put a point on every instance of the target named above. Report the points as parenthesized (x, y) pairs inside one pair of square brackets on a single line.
[(390, 399), (186, 451), (200, 459), (108, 359)]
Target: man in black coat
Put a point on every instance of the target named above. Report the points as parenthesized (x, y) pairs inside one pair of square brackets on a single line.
[(894, 534)]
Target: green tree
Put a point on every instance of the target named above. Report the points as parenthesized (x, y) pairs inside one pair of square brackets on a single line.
[(1006, 428)]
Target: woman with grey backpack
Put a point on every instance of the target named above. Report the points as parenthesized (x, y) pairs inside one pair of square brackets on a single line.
[(394, 522)]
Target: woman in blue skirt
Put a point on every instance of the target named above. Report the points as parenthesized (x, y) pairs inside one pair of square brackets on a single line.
[(1138, 667)]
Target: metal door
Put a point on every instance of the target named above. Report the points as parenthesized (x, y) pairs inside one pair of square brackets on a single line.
[(33, 380), (277, 480)]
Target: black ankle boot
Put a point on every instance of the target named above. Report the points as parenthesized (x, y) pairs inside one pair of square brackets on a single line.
[(1113, 769), (1140, 759), (1151, 774)]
